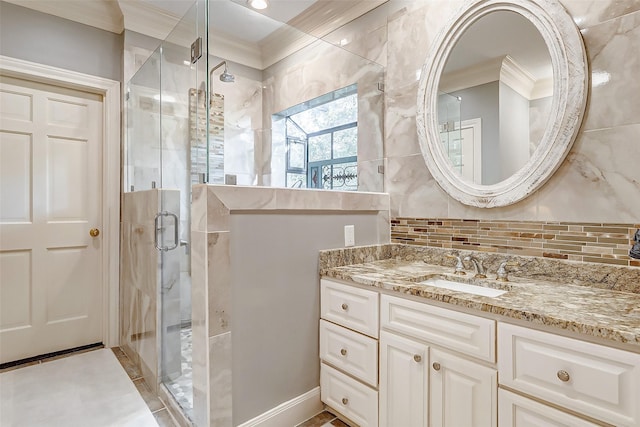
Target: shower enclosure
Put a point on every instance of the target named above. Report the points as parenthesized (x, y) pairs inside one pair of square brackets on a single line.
[(195, 114), (170, 144)]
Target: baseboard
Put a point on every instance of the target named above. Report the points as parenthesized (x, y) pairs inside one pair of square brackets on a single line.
[(290, 413)]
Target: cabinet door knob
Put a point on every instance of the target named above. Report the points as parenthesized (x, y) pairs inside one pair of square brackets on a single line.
[(563, 376), (417, 358), (436, 366), (345, 306), (94, 232), (345, 400), (343, 351)]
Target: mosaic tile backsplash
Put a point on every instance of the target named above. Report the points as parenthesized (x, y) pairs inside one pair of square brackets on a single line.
[(587, 242)]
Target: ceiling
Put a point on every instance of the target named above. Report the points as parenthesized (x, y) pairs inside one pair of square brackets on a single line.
[(254, 38)]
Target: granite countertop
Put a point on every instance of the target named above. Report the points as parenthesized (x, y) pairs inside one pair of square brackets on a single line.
[(594, 311)]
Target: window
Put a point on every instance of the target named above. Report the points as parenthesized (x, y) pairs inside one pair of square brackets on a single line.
[(321, 141)]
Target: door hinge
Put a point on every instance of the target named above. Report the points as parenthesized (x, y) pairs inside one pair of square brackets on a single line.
[(196, 50)]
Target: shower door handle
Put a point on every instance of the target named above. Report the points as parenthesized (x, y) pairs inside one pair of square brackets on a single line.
[(176, 231)]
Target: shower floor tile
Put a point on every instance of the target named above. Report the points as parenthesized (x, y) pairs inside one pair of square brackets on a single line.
[(182, 387)]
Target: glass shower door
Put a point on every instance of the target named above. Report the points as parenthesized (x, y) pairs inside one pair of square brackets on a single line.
[(182, 71)]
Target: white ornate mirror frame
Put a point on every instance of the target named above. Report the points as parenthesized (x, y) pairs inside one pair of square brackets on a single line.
[(570, 87)]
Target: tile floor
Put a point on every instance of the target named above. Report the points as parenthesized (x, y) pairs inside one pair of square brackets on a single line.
[(32, 394), (86, 389), (155, 405), (323, 419)]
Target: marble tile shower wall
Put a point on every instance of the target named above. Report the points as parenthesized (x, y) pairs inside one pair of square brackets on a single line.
[(599, 182), (588, 242)]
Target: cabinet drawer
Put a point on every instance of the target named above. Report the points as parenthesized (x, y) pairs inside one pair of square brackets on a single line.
[(351, 398), (348, 306), (518, 411), (350, 351), (461, 332), (594, 380)]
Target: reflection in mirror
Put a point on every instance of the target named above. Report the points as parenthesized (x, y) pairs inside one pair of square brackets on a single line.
[(495, 96)]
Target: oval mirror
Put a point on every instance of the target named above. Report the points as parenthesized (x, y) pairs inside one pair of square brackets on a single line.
[(501, 98)]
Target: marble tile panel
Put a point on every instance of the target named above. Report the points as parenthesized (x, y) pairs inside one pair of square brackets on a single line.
[(139, 206), (597, 180), (369, 179), (220, 414), (614, 64), (237, 198), (361, 201), (219, 282), (199, 194), (587, 13), (199, 325), (413, 190), (384, 227), (411, 33), (304, 199), (370, 121), (401, 135)]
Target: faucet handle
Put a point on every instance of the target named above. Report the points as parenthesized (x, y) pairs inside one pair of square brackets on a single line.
[(477, 265), (459, 265), (502, 273)]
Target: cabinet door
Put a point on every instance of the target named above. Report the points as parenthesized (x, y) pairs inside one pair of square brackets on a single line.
[(462, 392), (404, 382)]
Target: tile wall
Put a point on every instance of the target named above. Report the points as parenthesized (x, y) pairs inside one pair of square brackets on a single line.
[(588, 242)]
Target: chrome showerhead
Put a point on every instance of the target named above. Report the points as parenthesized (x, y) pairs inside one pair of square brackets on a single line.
[(226, 77)]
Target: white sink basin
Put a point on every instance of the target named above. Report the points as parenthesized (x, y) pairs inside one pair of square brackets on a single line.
[(464, 287)]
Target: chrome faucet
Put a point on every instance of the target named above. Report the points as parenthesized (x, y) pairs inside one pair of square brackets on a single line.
[(477, 264), (502, 273), (459, 265)]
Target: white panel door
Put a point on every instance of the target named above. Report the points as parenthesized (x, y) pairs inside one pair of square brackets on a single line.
[(462, 392), (50, 198), (404, 381)]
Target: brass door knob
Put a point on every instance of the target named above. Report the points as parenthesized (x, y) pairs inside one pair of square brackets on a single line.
[(94, 232), (417, 358), (436, 366)]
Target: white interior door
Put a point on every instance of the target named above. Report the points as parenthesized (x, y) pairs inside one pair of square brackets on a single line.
[(50, 199)]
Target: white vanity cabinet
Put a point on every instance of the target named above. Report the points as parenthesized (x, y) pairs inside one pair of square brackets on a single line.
[(349, 351), (423, 382), (436, 367), (589, 379)]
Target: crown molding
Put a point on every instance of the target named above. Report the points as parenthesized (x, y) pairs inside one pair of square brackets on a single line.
[(504, 69), (147, 19), (516, 77), (102, 14), (236, 50), (322, 18)]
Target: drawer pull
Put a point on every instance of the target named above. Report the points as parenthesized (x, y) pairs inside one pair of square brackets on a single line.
[(345, 400), (345, 306), (563, 376), (343, 351), (417, 358), (436, 366)]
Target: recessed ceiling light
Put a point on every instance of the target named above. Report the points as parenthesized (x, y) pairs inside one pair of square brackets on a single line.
[(258, 4)]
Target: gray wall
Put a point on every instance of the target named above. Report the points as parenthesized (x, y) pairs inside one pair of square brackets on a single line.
[(276, 302), (483, 101), (46, 39), (514, 132)]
